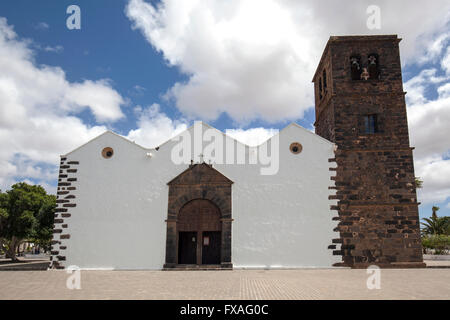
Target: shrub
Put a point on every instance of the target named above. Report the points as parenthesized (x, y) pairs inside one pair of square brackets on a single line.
[(440, 243)]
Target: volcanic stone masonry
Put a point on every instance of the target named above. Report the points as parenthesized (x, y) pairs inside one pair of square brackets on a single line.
[(65, 200), (360, 106)]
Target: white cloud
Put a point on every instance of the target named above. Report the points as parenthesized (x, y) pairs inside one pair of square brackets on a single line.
[(56, 49), (137, 91), (99, 96), (37, 112), (154, 127), (255, 59), (417, 85), (42, 26), (433, 47), (446, 61), (436, 185), (253, 136), (429, 125)]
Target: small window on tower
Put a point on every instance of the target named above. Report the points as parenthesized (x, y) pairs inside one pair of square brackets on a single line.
[(373, 66), (324, 76), (371, 123), (355, 67)]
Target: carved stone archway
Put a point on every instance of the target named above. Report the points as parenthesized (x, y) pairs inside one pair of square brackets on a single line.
[(199, 181), (199, 219)]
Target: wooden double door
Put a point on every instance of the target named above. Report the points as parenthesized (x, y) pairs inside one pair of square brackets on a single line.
[(199, 233), (195, 247)]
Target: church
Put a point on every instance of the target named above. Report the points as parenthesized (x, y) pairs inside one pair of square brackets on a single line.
[(342, 196)]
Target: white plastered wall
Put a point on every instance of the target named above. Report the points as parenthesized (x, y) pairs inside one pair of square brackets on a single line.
[(281, 220)]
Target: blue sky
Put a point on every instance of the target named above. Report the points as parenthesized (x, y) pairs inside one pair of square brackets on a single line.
[(157, 68)]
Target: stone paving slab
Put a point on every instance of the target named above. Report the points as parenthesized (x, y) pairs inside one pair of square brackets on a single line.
[(437, 263), (236, 284)]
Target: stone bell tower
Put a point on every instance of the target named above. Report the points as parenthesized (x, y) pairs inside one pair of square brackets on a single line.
[(360, 106)]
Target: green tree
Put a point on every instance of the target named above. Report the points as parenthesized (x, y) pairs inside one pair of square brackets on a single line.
[(43, 231), (434, 211), (3, 218), (446, 225), (26, 212), (436, 225)]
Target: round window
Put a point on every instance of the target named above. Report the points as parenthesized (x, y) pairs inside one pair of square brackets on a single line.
[(296, 148), (107, 152)]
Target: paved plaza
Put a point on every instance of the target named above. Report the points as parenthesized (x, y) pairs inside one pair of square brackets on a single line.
[(236, 284)]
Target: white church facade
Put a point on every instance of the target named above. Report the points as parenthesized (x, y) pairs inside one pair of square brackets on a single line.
[(122, 206)]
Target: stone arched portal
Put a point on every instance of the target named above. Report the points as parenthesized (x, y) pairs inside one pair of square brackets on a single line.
[(199, 206), (199, 233)]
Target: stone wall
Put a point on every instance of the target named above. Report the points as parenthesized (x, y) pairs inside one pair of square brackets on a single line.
[(375, 182), (65, 200)]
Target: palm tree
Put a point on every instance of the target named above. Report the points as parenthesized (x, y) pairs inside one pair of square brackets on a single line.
[(434, 209), (434, 225)]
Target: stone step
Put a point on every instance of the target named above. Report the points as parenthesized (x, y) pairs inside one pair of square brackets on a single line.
[(25, 266), (195, 267)]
